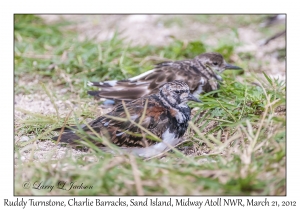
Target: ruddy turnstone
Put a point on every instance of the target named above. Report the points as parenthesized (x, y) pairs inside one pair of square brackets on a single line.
[(164, 114), (202, 74)]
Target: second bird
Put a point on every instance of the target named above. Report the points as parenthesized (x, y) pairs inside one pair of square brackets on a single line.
[(202, 74)]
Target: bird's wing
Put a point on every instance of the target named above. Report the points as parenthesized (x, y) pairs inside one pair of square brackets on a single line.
[(126, 133), (149, 82)]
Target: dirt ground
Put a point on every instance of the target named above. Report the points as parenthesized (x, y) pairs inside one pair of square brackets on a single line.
[(144, 30)]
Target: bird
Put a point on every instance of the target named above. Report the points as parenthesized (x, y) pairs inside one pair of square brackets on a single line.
[(202, 74), (164, 114)]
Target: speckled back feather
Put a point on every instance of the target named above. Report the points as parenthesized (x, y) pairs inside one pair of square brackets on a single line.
[(199, 73)]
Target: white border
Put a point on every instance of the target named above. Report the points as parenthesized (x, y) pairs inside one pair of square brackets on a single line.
[(154, 6)]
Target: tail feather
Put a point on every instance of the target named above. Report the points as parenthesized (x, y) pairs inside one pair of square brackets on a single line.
[(74, 139), (102, 84), (95, 93), (69, 128), (119, 95), (121, 91), (68, 137)]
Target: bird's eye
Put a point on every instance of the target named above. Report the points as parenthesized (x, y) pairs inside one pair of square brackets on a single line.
[(177, 91), (215, 63)]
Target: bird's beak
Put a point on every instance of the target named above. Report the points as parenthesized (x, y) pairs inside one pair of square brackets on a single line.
[(193, 98), (229, 66)]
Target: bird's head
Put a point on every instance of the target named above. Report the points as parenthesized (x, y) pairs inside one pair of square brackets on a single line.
[(215, 61), (176, 93)]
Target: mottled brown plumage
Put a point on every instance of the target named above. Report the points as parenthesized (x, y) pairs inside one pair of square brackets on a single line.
[(201, 74), (166, 116)]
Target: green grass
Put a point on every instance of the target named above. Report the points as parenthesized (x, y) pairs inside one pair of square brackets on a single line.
[(238, 130)]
